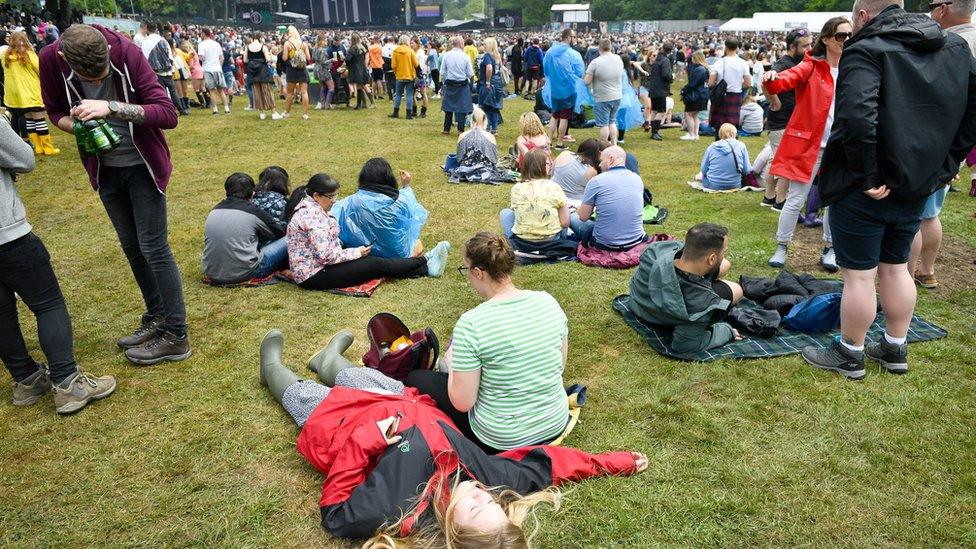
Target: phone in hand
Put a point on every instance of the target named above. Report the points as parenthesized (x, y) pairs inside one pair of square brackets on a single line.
[(392, 430)]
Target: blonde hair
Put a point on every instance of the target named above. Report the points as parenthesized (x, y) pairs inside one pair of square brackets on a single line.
[(444, 534), (699, 58), (491, 47), (727, 131), (19, 48), (530, 125), (478, 118), (293, 35)]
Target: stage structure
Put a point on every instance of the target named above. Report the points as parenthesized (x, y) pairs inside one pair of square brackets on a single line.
[(350, 13)]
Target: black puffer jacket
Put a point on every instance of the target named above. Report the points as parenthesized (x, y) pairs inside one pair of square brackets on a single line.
[(905, 112), (786, 290)]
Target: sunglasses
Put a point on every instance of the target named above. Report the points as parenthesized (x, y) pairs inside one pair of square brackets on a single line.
[(934, 5), (842, 36)]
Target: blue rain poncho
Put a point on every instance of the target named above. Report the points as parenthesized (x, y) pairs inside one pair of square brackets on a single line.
[(392, 227), (563, 67), (629, 116)]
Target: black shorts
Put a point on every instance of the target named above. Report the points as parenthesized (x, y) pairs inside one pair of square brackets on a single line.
[(377, 75), (516, 71), (534, 72), (868, 231), (659, 104), (564, 114)]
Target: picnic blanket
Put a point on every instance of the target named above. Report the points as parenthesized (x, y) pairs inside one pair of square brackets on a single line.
[(365, 289), (786, 343), (697, 185)]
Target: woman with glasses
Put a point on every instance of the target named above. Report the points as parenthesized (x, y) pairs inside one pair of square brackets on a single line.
[(798, 157), (316, 256), (503, 385)]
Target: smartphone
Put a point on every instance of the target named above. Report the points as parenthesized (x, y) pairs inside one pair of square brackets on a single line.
[(392, 431)]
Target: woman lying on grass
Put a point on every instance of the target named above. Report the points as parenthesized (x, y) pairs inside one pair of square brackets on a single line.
[(397, 467)]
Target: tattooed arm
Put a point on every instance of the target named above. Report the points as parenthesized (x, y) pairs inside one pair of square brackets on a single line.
[(94, 108), (131, 113)]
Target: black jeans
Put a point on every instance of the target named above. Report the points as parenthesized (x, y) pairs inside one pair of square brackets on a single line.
[(364, 269), (25, 268), (167, 83), (456, 117), (138, 212), (434, 385)]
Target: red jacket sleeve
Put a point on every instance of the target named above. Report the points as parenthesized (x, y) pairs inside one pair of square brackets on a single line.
[(790, 79), (155, 101), (572, 465), (350, 465)]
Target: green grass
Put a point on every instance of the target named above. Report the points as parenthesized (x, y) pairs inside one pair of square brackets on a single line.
[(765, 452)]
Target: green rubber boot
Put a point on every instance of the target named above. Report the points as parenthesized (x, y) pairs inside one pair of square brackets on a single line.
[(275, 375), (329, 361)]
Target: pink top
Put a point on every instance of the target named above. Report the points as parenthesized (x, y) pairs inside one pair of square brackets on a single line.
[(313, 241), (196, 71)]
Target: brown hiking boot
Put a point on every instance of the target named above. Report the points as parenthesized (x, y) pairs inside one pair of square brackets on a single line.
[(165, 347), (142, 334), (927, 281), (31, 390), (77, 391)]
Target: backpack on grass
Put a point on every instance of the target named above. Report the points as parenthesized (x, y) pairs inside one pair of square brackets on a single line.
[(395, 351)]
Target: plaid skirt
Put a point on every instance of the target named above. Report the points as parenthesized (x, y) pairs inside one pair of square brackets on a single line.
[(726, 110)]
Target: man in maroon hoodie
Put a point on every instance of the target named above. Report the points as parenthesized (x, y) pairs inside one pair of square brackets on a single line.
[(108, 77)]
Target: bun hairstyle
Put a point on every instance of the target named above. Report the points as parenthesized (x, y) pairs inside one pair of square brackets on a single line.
[(321, 183), (492, 254)]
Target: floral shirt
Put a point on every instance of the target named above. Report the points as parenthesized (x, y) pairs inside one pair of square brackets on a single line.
[(274, 204), (536, 204), (313, 241)]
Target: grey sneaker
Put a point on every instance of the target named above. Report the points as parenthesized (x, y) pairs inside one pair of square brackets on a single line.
[(828, 260), (142, 334), (779, 257), (837, 358), (893, 358), (165, 347), (31, 390), (77, 391)]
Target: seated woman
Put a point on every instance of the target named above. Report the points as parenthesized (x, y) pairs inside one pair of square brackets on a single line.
[(435, 490), (532, 135), (571, 171), (319, 262), (539, 212), (381, 214), (725, 161), (271, 194), (477, 144), (504, 388), (751, 117)]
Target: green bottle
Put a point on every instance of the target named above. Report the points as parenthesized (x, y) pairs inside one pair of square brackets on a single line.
[(97, 136), (85, 145), (114, 138)]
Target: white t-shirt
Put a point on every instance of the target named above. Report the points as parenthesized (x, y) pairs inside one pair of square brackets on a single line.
[(210, 52), (834, 71), (731, 69)]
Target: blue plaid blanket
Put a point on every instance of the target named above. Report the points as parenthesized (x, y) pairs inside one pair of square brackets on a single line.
[(787, 342)]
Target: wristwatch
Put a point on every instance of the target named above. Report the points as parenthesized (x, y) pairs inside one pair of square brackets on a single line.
[(113, 107)]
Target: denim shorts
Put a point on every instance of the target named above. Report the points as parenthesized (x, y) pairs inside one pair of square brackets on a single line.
[(867, 231), (605, 112), (933, 206)]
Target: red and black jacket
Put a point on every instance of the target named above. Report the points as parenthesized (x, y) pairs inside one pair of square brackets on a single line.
[(369, 484)]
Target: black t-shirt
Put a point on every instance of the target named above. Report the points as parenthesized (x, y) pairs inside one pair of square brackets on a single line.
[(779, 119)]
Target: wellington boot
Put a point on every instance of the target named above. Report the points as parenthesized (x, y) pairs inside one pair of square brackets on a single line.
[(328, 362), (36, 142), (274, 374), (47, 145)]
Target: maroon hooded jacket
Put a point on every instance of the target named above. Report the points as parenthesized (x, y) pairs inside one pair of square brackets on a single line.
[(135, 82)]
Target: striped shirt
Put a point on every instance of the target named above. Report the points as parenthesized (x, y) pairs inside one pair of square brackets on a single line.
[(517, 345)]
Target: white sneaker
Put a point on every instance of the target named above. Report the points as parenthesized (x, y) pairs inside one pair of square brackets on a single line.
[(285, 114), (227, 109), (276, 116), (248, 108), (687, 137), (263, 116), (304, 117), (696, 137), (318, 106)]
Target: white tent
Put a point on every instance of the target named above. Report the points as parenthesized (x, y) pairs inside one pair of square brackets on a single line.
[(770, 21)]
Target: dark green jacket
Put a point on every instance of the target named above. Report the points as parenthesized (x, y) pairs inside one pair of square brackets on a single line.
[(659, 296)]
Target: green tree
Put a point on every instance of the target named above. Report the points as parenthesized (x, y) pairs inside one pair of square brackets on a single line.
[(534, 12)]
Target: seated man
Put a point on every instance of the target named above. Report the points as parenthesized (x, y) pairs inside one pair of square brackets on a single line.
[(240, 240), (617, 194), (677, 285)]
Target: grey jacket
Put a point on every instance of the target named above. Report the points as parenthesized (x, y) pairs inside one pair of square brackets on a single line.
[(15, 157)]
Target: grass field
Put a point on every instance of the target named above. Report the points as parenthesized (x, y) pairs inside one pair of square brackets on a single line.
[(757, 453)]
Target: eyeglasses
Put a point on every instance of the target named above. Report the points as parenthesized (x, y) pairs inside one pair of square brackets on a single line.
[(934, 5), (842, 36), (463, 270)]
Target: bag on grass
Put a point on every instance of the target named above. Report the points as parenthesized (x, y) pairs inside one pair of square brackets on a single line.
[(815, 315), (395, 351)]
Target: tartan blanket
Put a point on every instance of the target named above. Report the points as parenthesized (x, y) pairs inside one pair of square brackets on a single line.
[(787, 342)]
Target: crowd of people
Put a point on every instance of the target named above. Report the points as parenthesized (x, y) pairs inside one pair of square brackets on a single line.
[(842, 108)]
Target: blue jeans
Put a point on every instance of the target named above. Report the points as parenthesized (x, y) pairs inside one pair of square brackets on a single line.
[(250, 92), (582, 229), (137, 210), (25, 269), (506, 218), (403, 86), (274, 256), (494, 116)]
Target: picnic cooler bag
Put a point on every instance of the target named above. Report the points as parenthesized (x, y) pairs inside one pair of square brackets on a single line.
[(383, 331)]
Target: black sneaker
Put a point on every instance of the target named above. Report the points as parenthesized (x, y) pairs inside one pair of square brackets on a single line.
[(778, 207), (145, 332), (165, 347), (893, 358), (837, 358), (768, 202)]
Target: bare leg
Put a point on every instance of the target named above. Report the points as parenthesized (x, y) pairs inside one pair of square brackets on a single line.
[(859, 305), (926, 246), (303, 89), (898, 297), (289, 97)]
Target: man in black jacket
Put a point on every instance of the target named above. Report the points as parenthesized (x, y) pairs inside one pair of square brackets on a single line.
[(798, 43), (905, 117)]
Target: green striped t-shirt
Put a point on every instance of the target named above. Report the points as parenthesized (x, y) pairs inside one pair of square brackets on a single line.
[(517, 344)]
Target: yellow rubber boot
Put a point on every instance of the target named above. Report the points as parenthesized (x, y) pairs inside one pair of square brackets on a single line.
[(47, 145), (36, 141)]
